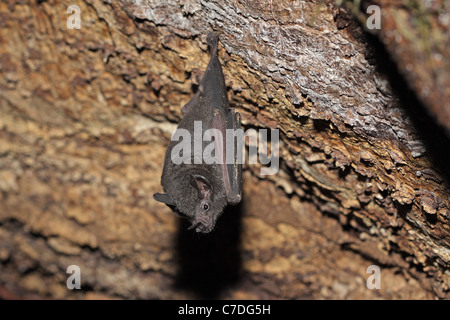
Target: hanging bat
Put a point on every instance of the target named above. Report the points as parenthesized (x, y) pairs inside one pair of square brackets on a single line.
[(198, 190)]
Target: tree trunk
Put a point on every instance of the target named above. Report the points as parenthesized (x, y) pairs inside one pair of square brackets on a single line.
[(86, 115)]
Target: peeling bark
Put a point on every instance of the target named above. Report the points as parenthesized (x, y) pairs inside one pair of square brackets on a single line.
[(85, 116)]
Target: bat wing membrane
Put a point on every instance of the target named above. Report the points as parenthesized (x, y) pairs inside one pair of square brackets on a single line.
[(164, 198)]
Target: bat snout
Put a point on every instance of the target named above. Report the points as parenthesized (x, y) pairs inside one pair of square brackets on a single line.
[(203, 224)]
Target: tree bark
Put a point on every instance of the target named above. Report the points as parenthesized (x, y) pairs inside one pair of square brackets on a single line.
[(86, 115)]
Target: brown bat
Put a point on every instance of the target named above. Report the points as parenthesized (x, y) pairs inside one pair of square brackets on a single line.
[(199, 190)]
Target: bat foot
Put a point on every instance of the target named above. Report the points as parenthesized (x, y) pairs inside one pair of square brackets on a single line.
[(213, 42)]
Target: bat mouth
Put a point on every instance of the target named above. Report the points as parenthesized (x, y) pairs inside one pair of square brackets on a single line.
[(202, 225)]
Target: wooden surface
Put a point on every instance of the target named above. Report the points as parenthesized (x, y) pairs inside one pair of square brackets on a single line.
[(86, 115)]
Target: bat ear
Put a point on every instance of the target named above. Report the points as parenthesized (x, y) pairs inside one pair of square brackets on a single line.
[(201, 184), (193, 182), (164, 198)]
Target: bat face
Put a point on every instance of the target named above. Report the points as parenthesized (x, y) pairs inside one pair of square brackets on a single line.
[(199, 190), (205, 213)]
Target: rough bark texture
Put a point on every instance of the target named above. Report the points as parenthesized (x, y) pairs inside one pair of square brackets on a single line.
[(416, 34), (85, 116)]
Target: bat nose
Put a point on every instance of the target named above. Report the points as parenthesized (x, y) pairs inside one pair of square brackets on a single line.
[(202, 224), (194, 225)]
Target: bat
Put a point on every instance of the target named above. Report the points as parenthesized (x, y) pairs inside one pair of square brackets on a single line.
[(198, 190)]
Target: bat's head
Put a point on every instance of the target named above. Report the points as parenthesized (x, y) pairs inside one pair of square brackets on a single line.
[(198, 201), (205, 214)]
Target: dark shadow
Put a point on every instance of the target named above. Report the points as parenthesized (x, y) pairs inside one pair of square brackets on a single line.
[(210, 263)]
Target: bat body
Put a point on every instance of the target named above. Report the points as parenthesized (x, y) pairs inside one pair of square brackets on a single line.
[(196, 189)]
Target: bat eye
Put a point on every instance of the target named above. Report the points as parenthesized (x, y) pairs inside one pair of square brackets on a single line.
[(205, 207)]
